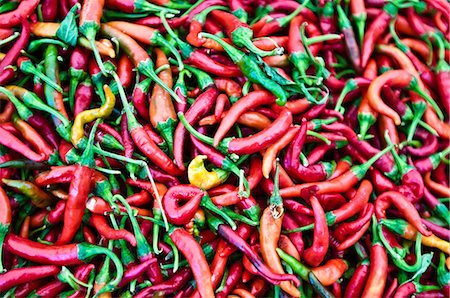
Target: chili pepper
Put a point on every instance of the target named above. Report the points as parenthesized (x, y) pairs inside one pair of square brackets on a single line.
[(36, 140), (349, 37), (251, 144), (376, 279), (383, 202), (195, 27), (18, 276), (375, 30), (53, 97), (146, 35), (359, 16), (385, 163), (436, 187), (316, 253), (356, 283), (337, 185), (196, 259), (38, 197), (23, 11), (251, 70), (234, 274), (19, 45), (199, 176), (137, 54), (198, 109), (233, 238), (429, 144), (431, 162), (34, 119), (87, 116), (169, 286), (78, 192), (77, 71), (101, 224), (277, 24), (162, 111), (27, 67), (270, 228), (239, 32), (70, 254), (251, 100)]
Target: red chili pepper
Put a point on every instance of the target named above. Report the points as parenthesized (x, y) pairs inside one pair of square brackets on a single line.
[(61, 255), (101, 225), (54, 288), (338, 185), (20, 14), (356, 284), (19, 45), (239, 32), (375, 30), (316, 253), (19, 276), (376, 280), (196, 259), (199, 108), (79, 190), (408, 210), (234, 274), (170, 286)]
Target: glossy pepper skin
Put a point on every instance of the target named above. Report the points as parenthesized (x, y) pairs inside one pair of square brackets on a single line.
[(19, 276)]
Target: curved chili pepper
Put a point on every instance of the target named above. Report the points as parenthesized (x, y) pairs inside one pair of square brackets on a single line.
[(251, 144), (19, 45), (181, 215), (251, 70), (375, 30), (169, 286), (101, 225), (337, 185), (383, 202), (233, 238), (316, 253), (251, 100), (22, 12), (199, 108), (196, 259), (86, 116), (137, 54)]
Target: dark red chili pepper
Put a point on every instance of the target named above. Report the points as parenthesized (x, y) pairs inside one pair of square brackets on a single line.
[(20, 14), (349, 233), (169, 286), (234, 274), (19, 276)]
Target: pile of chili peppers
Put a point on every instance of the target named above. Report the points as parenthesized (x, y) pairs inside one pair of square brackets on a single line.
[(242, 148)]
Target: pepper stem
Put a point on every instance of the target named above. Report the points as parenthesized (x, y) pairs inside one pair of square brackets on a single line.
[(176, 254), (350, 85), (191, 130), (86, 251), (414, 86), (4, 228), (208, 204), (275, 200)]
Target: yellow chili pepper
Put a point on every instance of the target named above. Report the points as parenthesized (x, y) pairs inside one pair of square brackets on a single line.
[(77, 134), (199, 176)]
